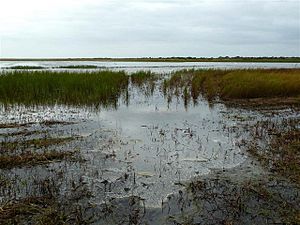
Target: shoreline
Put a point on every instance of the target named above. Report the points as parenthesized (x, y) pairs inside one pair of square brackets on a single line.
[(167, 59)]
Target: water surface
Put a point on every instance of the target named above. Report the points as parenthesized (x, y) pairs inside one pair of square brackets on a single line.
[(159, 67)]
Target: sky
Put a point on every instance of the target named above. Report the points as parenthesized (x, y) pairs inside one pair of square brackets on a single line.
[(149, 28)]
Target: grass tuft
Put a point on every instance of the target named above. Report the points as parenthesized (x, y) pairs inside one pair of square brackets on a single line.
[(145, 81), (31, 159), (36, 143)]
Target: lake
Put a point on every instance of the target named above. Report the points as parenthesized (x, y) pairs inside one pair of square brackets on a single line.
[(159, 67)]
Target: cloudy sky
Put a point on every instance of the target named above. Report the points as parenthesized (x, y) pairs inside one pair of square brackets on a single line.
[(136, 28)]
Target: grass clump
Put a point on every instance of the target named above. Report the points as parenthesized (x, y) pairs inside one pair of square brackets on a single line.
[(12, 212), (261, 83), (35, 143), (13, 125), (23, 133), (55, 122), (31, 159), (145, 81), (234, 84), (92, 89), (45, 209)]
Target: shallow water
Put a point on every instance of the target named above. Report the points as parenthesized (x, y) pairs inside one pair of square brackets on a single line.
[(159, 67), (158, 145)]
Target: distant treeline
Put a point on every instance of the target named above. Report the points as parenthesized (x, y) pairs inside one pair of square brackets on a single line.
[(170, 59)]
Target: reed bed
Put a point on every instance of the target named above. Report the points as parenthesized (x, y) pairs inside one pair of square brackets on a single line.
[(104, 88), (97, 88), (145, 81), (234, 84)]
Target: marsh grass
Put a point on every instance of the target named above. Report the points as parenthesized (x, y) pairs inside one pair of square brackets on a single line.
[(14, 125), (104, 88), (33, 143), (23, 133), (145, 81), (78, 67), (250, 201), (91, 89), (26, 67), (234, 84), (47, 208), (261, 83), (12, 212), (31, 159), (48, 123), (282, 154)]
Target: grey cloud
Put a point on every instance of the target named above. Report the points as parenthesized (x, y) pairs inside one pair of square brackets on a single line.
[(163, 28)]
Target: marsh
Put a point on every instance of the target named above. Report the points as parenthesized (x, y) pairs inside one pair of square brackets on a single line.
[(95, 146)]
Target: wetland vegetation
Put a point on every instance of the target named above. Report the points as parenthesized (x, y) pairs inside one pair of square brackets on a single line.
[(234, 84), (26, 67), (105, 147), (78, 67), (48, 87)]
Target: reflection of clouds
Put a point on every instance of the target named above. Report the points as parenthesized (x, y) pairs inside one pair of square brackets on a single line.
[(172, 145), (142, 28)]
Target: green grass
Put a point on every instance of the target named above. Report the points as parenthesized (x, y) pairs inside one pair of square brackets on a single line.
[(261, 83), (234, 84), (93, 89), (104, 88), (145, 81), (141, 77)]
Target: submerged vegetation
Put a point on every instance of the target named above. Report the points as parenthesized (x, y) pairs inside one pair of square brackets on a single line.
[(234, 84), (47, 208), (225, 200), (281, 153)]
